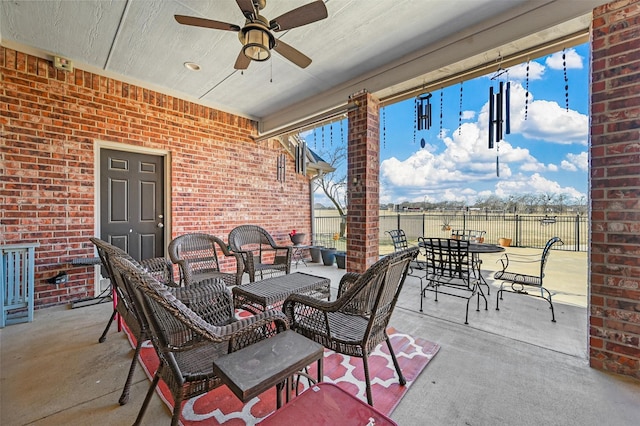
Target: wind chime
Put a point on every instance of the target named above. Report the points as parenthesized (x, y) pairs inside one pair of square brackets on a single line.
[(281, 172), (423, 115), (384, 127), (499, 120), (300, 157), (460, 111)]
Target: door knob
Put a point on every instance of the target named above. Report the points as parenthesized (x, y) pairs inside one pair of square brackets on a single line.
[(160, 225)]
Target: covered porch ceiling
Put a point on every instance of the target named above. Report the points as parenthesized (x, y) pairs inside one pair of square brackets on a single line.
[(394, 49)]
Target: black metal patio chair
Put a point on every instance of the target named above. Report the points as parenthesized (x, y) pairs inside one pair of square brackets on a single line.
[(417, 267), (450, 271), (518, 281)]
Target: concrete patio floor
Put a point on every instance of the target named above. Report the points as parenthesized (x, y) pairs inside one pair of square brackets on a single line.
[(511, 367)]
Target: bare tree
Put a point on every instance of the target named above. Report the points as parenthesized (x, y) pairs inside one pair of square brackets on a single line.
[(561, 199), (334, 184)]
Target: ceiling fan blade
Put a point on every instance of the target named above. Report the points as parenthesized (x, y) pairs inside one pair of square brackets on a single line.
[(206, 23), (300, 16), (242, 62), (246, 6), (292, 54)]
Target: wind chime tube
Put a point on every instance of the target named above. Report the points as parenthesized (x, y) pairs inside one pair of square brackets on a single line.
[(499, 114), (491, 117), (429, 122), (507, 109), (303, 158), (497, 166), (300, 166), (419, 113)]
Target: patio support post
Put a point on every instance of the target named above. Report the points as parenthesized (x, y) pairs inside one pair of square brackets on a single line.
[(614, 281), (363, 170)]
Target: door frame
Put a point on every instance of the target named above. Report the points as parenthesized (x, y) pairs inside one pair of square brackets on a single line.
[(97, 146)]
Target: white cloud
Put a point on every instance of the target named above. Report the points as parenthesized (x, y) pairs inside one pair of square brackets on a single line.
[(519, 72), (468, 115), (534, 183), (533, 167), (575, 162), (546, 120), (572, 59)]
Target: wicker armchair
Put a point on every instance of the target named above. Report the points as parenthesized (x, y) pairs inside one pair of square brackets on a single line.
[(356, 322), (124, 307), (187, 342), (518, 281), (259, 251), (197, 257)]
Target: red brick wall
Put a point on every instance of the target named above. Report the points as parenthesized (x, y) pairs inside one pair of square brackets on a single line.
[(614, 320), (49, 122), (363, 183)]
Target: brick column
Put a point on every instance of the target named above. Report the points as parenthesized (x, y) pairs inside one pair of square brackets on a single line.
[(363, 184), (614, 305)]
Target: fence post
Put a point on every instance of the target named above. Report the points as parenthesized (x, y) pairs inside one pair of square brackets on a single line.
[(517, 229), (577, 229), (423, 228), (398, 222)]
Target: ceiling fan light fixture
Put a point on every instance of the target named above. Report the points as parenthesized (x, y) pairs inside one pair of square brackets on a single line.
[(257, 43)]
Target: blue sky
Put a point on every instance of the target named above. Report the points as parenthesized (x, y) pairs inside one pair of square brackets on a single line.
[(546, 153)]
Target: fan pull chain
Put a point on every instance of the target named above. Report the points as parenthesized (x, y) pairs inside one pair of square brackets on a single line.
[(323, 136), (460, 112), (526, 94), (271, 77), (315, 140), (342, 132), (441, 97), (566, 80)]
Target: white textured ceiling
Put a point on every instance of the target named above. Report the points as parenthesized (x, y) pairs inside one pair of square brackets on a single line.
[(383, 46)]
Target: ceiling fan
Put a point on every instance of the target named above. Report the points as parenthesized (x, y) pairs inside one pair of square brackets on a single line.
[(256, 36)]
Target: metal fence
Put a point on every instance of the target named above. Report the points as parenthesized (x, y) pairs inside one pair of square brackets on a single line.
[(523, 230)]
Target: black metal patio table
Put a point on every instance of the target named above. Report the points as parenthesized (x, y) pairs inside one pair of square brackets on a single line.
[(476, 249)]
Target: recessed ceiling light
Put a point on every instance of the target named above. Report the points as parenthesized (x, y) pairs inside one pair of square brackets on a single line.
[(192, 66)]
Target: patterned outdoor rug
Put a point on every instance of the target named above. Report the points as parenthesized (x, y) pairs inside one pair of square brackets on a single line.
[(221, 406)]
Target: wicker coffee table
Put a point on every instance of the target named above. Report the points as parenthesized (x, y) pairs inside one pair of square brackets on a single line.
[(259, 296)]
